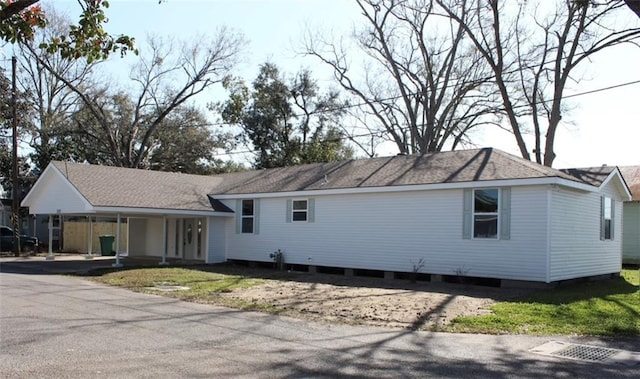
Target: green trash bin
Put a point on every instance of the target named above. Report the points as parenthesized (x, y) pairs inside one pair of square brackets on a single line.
[(106, 245)]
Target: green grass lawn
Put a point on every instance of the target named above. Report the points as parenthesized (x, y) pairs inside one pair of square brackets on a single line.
[(608, 308)]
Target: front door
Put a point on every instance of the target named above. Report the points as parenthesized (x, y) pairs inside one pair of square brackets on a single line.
[(192, 238)]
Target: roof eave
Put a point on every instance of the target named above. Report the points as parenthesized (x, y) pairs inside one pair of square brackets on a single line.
[(616, 173), (156, 211)]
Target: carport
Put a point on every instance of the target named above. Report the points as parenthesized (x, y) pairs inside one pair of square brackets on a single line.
[(165, 213)]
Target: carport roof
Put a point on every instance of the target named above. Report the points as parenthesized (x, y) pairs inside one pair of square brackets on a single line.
[(105, 186)]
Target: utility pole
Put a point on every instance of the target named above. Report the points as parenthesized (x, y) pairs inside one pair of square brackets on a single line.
[(15, 214)]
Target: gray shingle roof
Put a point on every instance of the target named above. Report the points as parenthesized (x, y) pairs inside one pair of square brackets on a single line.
[(113, 186), (590, 175), (631, 175), (445, 167), (105, 186)]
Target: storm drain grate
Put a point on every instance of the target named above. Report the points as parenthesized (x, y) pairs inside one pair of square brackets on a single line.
[(586, 353)]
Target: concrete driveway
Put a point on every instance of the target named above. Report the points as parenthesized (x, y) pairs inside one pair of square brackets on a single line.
[(65, 327)]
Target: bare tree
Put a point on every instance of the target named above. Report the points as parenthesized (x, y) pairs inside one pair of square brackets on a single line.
[(533, 51), (423, 84), (51, 99), (166, 77)]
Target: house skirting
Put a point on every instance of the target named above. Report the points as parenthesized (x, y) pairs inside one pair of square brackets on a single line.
[(422, 276)]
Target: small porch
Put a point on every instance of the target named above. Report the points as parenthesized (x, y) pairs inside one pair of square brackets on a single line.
[(185, 236), (175, 237)]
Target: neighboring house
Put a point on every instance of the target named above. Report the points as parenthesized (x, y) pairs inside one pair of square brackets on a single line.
[(631, 224), (28, 226), (631, 208), (5, 212), (481, 213)]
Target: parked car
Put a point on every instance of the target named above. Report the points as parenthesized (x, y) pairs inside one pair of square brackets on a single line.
[(27, 243)]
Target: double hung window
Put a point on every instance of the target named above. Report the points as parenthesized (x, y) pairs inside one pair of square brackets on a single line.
[(486, 213), (300, 210), (248, 216)]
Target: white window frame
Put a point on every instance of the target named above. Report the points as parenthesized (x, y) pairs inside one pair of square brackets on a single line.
[(608, 206), (251, 216), (294, 210), (474, 214)]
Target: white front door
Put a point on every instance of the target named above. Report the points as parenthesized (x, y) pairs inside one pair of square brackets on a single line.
[(192, 237)]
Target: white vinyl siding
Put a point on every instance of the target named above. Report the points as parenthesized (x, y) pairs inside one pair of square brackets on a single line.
[(138, 231), (55, 195), (576, 249), (146, 237), (389, 231), (217, 242), (631, 232)]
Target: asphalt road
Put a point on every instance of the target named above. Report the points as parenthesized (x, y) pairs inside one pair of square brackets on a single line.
[(67, 327)]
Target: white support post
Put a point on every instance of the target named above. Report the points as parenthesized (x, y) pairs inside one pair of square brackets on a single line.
[(164, 242), (90, 247), (117, 264), (50, 256)]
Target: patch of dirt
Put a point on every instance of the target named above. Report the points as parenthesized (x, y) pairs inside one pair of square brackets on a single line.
[(373, 301)]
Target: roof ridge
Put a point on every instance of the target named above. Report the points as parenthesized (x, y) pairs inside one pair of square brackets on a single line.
[(542, 169), (60, 165)]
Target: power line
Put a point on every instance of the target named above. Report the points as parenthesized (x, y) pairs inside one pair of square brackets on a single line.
[(407, 128), (344, 107), (602, 89), (479, 80)]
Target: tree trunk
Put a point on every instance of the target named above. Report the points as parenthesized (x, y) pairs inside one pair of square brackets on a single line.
[(634, 5)]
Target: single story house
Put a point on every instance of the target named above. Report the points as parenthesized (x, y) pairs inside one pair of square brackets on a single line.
[(481, 213), (631, 223)]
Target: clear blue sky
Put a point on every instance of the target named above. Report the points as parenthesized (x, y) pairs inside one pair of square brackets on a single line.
[(602, 128)]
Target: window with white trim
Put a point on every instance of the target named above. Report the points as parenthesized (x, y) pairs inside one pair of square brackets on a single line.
[(486, 213), (300, 210), (248, 216), (607, 218)]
